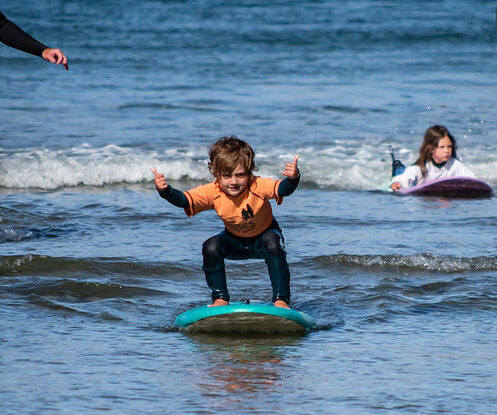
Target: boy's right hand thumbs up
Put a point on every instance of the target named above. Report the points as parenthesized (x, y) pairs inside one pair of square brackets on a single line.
[(160, 180)]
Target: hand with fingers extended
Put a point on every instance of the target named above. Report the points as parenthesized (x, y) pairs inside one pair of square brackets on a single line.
[(291, 169), (160, 180)]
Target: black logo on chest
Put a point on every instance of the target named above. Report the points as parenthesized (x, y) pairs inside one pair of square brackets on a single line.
[(247, 213)]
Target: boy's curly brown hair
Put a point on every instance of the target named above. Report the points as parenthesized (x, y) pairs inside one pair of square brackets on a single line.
[(227, 152)]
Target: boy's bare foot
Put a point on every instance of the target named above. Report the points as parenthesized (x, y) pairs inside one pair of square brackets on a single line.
[(219, 302), (281, 303)]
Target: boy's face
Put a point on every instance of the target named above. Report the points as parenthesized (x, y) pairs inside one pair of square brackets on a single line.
[(234, 184)]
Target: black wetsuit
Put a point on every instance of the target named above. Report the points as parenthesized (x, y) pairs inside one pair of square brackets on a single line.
[(269, 245), (13, 36)]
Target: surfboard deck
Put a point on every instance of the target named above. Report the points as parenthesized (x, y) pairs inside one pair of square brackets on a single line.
[(244, 318), (453, 187)]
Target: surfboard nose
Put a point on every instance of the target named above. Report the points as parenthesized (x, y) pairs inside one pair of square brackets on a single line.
[(244, 318)]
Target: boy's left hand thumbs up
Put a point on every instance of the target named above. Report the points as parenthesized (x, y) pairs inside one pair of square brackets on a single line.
[(291, 169)]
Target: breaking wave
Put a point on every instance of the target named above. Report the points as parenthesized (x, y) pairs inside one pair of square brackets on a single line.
[(419, 262), (341, 165)]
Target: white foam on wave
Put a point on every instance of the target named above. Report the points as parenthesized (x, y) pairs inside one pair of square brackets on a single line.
[(89, 166), (428, 262), (14, 235), (343, 164)]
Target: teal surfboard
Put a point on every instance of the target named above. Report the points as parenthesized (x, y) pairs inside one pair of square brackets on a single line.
[(244, 318)]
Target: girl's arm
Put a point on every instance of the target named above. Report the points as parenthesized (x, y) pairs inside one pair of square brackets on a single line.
[(462, 170), (409, 178)]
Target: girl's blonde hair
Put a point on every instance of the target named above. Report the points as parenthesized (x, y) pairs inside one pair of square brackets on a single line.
[(432, 137), (227, 152)]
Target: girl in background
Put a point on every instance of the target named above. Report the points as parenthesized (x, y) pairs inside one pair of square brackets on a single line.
[(437, 160)]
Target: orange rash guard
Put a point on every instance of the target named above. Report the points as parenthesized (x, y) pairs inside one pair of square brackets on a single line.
[(246, 215)]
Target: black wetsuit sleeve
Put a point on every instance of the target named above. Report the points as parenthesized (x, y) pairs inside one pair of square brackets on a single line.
[(13, 36), (288, 186), (175, 197)]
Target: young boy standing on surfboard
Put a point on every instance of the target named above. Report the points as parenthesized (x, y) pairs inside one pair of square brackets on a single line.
[(241, 200)]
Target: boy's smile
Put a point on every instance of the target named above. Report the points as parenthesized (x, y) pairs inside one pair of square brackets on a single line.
[(234, 184)]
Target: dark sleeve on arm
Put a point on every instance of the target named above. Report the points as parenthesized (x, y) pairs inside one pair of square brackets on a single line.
[(13, 36), (175, 197), (288, 186)]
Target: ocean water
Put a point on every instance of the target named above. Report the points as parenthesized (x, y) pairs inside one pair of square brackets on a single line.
[(94, 266)]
